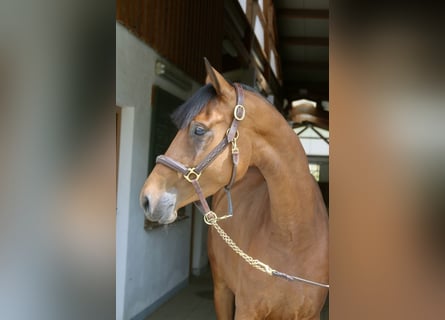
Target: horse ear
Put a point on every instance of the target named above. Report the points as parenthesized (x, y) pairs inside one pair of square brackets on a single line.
[(222, 87)]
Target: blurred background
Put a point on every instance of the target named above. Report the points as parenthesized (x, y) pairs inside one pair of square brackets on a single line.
[(79, 86), (57, 216)]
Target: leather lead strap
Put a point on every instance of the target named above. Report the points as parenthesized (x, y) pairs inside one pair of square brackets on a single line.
[(202, 199)]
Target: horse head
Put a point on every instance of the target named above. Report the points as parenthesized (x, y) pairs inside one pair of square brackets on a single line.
[(203, 122)]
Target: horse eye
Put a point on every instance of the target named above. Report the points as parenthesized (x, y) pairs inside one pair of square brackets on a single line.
[(199, 131)]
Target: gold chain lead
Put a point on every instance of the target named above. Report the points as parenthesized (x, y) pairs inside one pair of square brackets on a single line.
[(211, 219)]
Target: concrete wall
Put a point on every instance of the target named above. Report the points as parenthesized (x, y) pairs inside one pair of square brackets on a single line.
[(200, 259), (150, 265)]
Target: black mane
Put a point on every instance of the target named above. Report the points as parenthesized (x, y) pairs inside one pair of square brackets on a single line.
[(185, 113)]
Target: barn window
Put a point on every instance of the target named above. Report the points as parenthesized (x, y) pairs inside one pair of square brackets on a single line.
[(259, 31), (273, 62), (243, 4), (315, 140), (314, 168)]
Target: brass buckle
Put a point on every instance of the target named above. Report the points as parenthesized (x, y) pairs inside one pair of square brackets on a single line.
[(234, 147), (234, 144), (192, 175), (236, 134), (235, 112)]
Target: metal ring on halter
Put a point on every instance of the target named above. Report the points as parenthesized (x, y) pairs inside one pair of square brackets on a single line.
[(210, 218), (194, 175), (235, 112)]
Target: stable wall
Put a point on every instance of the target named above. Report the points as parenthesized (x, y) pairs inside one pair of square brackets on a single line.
[(150, 265)]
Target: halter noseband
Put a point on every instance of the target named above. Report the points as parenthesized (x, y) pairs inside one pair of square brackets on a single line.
[(192, 174)]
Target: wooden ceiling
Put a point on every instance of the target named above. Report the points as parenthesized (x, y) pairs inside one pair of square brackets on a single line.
[(287, 57), (303, 32)]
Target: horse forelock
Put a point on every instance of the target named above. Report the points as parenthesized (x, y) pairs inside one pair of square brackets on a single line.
[(186, 112)]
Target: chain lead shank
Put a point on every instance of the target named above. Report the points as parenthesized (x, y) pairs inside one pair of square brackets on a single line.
[(212, 219)]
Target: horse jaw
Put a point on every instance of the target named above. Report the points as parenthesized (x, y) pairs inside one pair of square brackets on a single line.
[(162, 208)]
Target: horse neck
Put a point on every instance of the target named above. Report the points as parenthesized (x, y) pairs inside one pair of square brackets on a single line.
[(280, 157)]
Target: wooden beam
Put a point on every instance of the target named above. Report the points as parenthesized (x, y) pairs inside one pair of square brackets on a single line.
[(313, 90), (310, 96), (308, 118), (310, 85), (303, 13), (306, 41), (317, 93), (230, 63), (305, 65)]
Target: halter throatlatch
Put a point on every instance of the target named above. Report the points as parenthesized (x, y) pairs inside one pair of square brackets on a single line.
[(192, 175)]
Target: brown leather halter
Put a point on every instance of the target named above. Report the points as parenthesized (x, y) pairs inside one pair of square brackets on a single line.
[(192, 174)]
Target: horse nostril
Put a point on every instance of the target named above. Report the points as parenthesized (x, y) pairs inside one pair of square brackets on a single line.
[(145, 204)]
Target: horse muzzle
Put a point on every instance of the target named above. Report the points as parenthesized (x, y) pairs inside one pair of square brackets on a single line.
[(159, 208)]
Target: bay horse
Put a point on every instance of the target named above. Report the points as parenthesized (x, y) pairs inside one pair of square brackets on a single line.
[(233, 141)]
